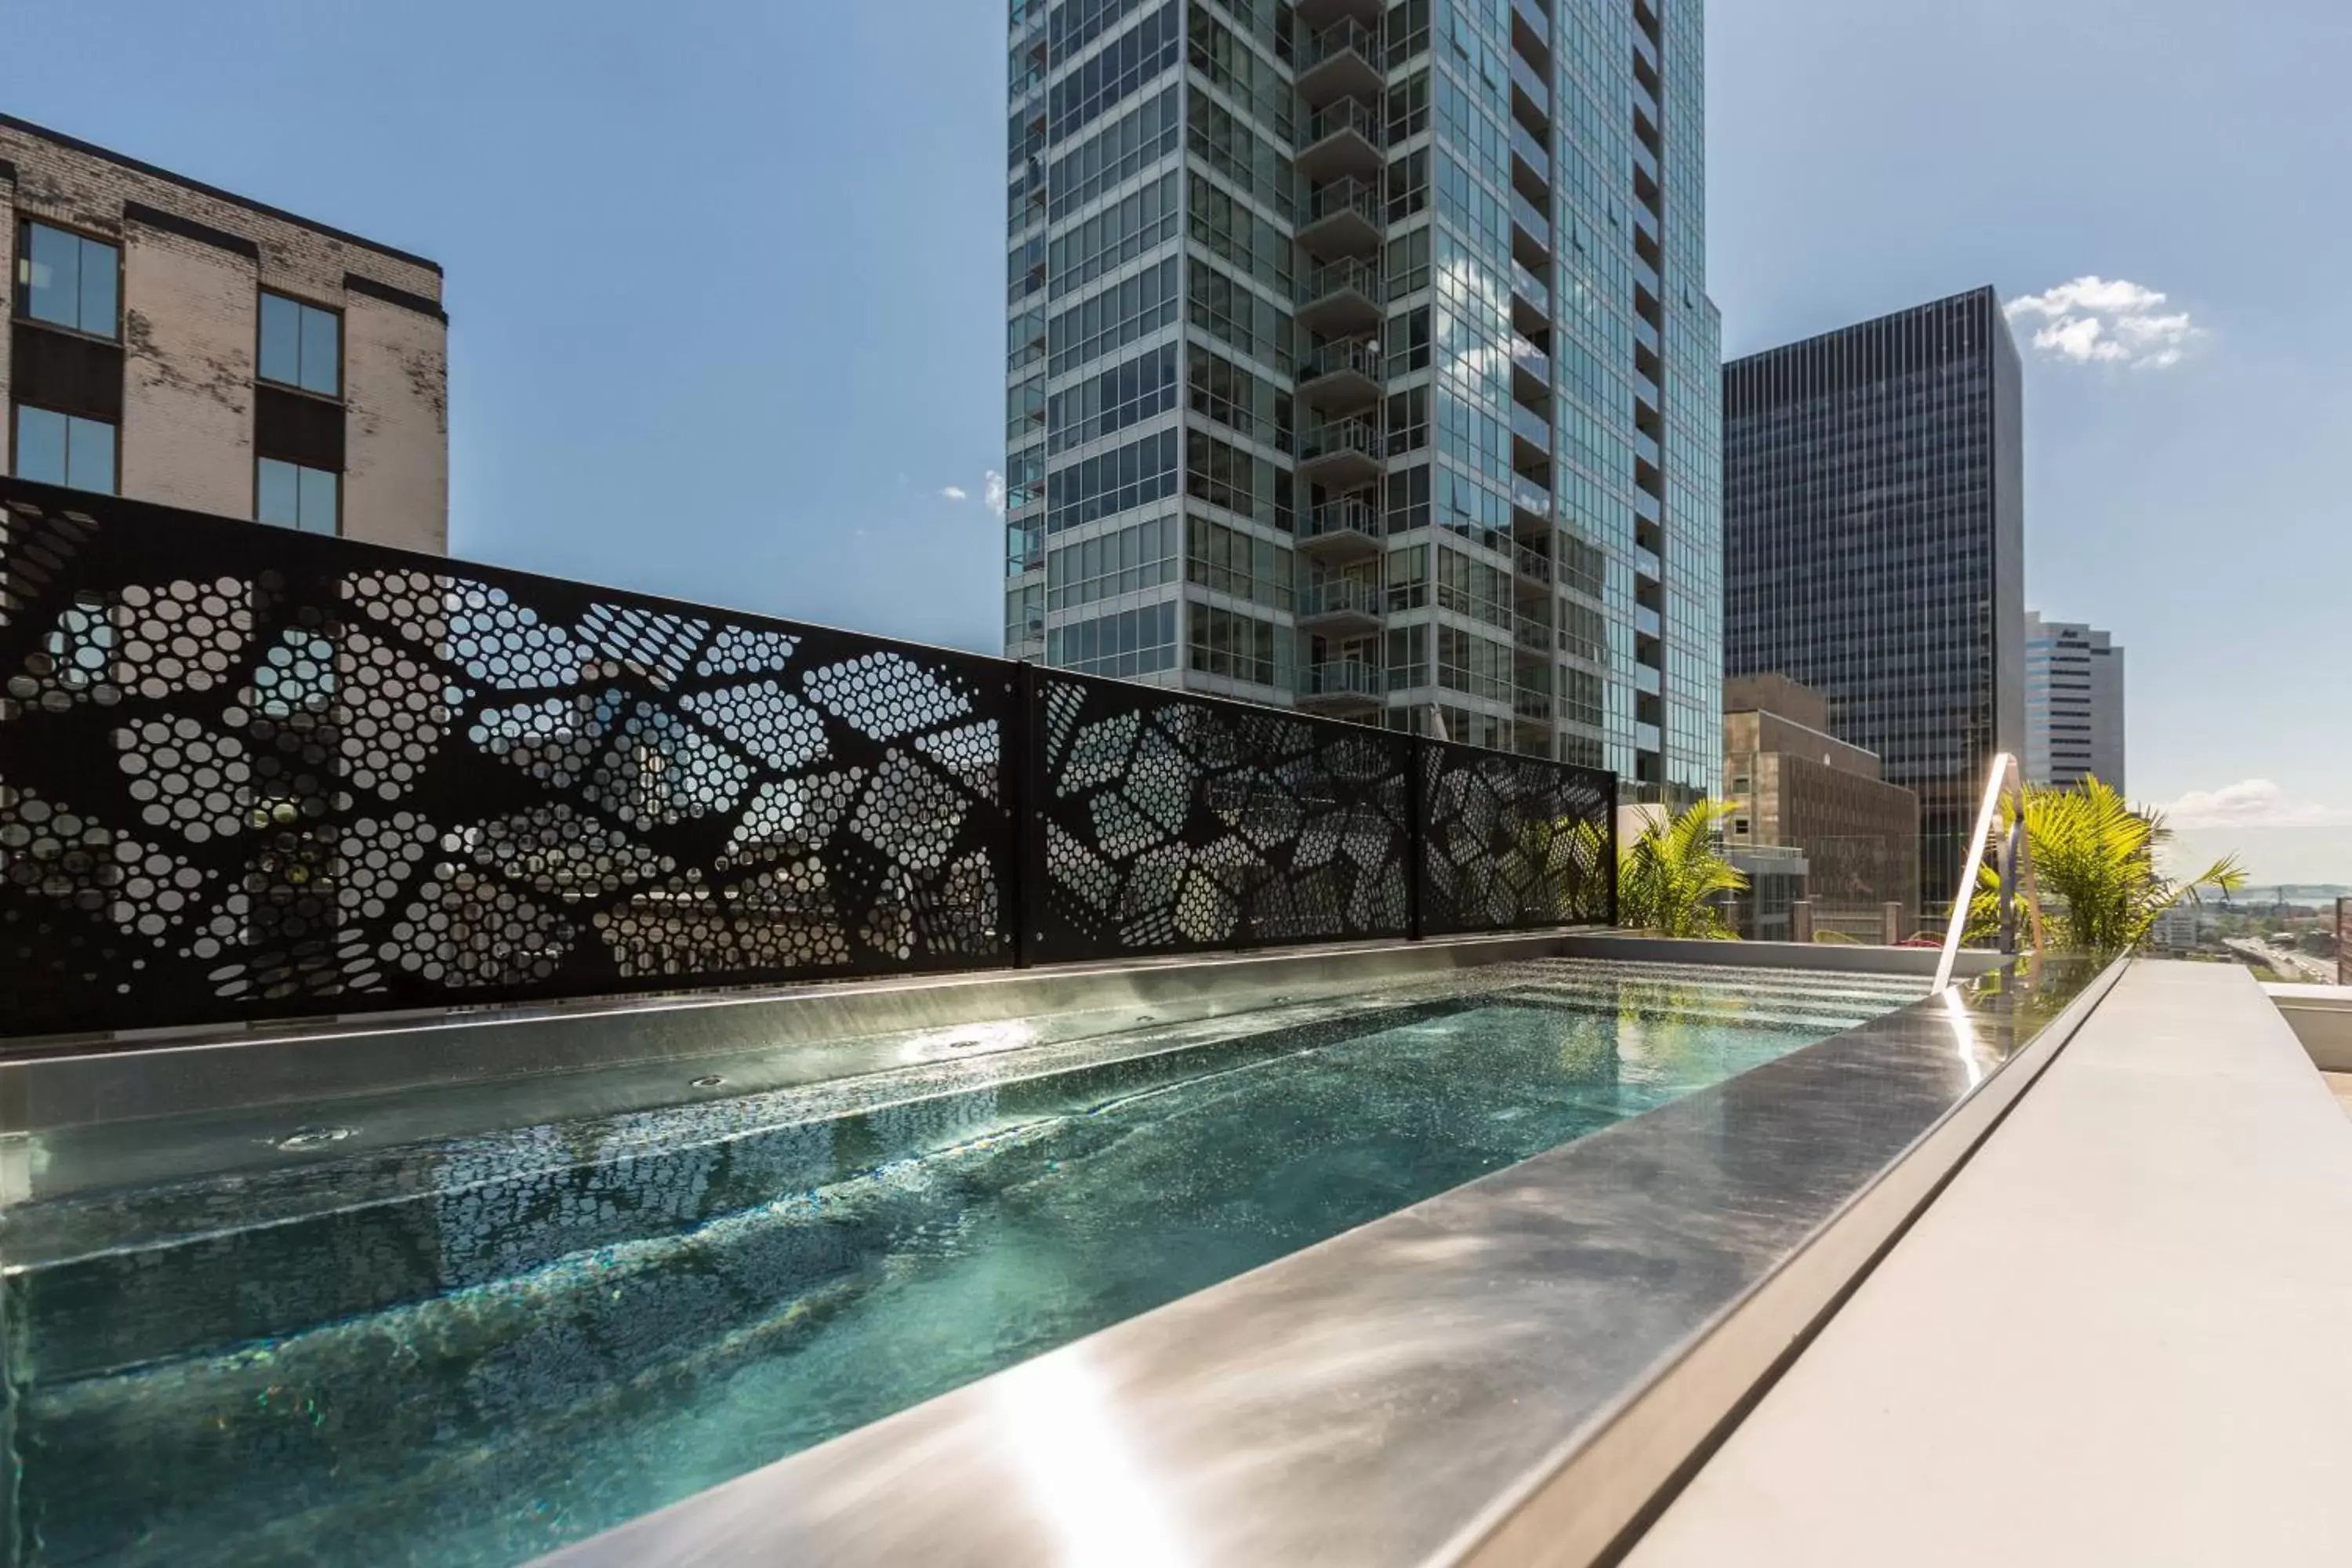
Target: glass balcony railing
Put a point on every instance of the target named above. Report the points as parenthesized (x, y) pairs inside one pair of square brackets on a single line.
[(1645, 620), (1524, 214), (1344, 518), (1533, 566), (1339, 198), (1534, 634), (1344, 115), (1342, 678), (1646, 335), (1531, 358), (1646, 505), (1340, 596), (1647, 276), (1524, 143), (1340, 438), (1646, 449), (1533, 14), (1647, 680), (1530, 288), (1352, 357), (1645, 565), (1645, 50), (1527, 703), (1531, 428), (1338, 38), (1530, 498), (1524, 77), (1343, 277), (1645, 161)]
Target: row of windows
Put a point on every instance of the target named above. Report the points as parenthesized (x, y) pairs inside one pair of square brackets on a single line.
[(1125, 561), (1226, 227), (1121, 150), (1230, 478), (1103, 82), (55, 448), (1227, 561), (1116, 236), (1240, 648), (1231, 146), (70, 281), (1134, 308), (1248, 322), (1123, 395), (1130, 643), (1239, 399), (1116, 481), (1242, 73)]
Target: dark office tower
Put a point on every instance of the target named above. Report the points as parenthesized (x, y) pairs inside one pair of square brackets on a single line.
[(1875, 541), (1360, 360)]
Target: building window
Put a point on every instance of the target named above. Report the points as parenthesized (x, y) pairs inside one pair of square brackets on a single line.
[(287, 495), (302, 345), (65, 449), (68, 282)]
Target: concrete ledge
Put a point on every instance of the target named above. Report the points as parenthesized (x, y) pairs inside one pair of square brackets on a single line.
[(2321, 1017), (2117, 1338)]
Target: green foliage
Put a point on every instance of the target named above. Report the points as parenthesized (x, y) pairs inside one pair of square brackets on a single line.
[(1670, 878), (2095, 858)]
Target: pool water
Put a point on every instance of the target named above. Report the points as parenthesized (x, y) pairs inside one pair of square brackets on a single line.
[(476, 1352)]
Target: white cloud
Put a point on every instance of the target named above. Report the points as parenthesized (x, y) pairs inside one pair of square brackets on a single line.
[(956, 492), (995, 493), (2101, 320), (2253, 803)]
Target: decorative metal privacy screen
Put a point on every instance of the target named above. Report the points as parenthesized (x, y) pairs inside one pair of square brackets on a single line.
[(1512, 842), (247, 773), (1172, 823)]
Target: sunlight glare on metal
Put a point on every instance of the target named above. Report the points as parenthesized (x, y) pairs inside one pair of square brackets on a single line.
[(1081, 1470), (1964, 1030)]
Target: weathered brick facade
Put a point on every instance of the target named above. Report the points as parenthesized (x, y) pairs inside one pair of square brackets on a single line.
[(193, 262)]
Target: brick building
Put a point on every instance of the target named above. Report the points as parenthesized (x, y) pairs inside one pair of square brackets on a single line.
[(1793, 786), (173, 342)]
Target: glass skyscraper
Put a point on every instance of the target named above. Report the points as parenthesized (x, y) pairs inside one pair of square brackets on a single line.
[(1874, 512), (1360, 359)]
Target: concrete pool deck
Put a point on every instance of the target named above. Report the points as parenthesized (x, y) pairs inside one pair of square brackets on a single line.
[(2117, 1336)]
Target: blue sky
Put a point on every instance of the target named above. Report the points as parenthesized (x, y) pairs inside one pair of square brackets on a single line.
[(725, 286)]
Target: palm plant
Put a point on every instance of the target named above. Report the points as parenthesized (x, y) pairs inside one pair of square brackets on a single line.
[(1669, 878), (2095, 858)]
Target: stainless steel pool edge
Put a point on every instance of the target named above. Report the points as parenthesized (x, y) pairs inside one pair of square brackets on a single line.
[(1606, 1487), (280, 1065), (1379, 1399)]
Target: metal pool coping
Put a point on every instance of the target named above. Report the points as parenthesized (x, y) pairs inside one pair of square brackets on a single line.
[(1521, 1370), (776, 1037)]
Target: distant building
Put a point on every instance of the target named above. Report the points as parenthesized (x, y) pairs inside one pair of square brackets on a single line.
[(1360, 359), (1874, 524), (1796, 789), (172, 342), (2073, 704), (2181, 927)]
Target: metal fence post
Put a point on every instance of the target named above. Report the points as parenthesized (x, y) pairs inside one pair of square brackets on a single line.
[(1416, 833), (1023, 751), (1613, 863)]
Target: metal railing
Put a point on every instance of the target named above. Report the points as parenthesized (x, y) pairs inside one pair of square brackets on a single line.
[(2007, 785)]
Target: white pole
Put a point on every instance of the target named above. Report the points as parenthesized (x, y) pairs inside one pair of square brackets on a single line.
[(2000, 767)]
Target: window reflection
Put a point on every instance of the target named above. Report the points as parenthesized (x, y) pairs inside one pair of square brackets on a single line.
[(302, 345)]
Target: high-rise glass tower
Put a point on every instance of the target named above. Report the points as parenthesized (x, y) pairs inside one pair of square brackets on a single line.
[(2073, 704), (1874, 512), (1360, 359)]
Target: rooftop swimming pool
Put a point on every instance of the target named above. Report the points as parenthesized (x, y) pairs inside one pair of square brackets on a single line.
[(475, 1350)]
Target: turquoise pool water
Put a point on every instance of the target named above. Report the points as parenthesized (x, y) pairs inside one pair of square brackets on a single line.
[(475, 1351)]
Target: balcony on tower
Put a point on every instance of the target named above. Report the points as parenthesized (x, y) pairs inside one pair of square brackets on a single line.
[(1341, 299), (1342, 218), (1345, 139), (1342, 60), (1341, 377), (1340, 608), (1340, 455), (1342, 686), (1344, 530)]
